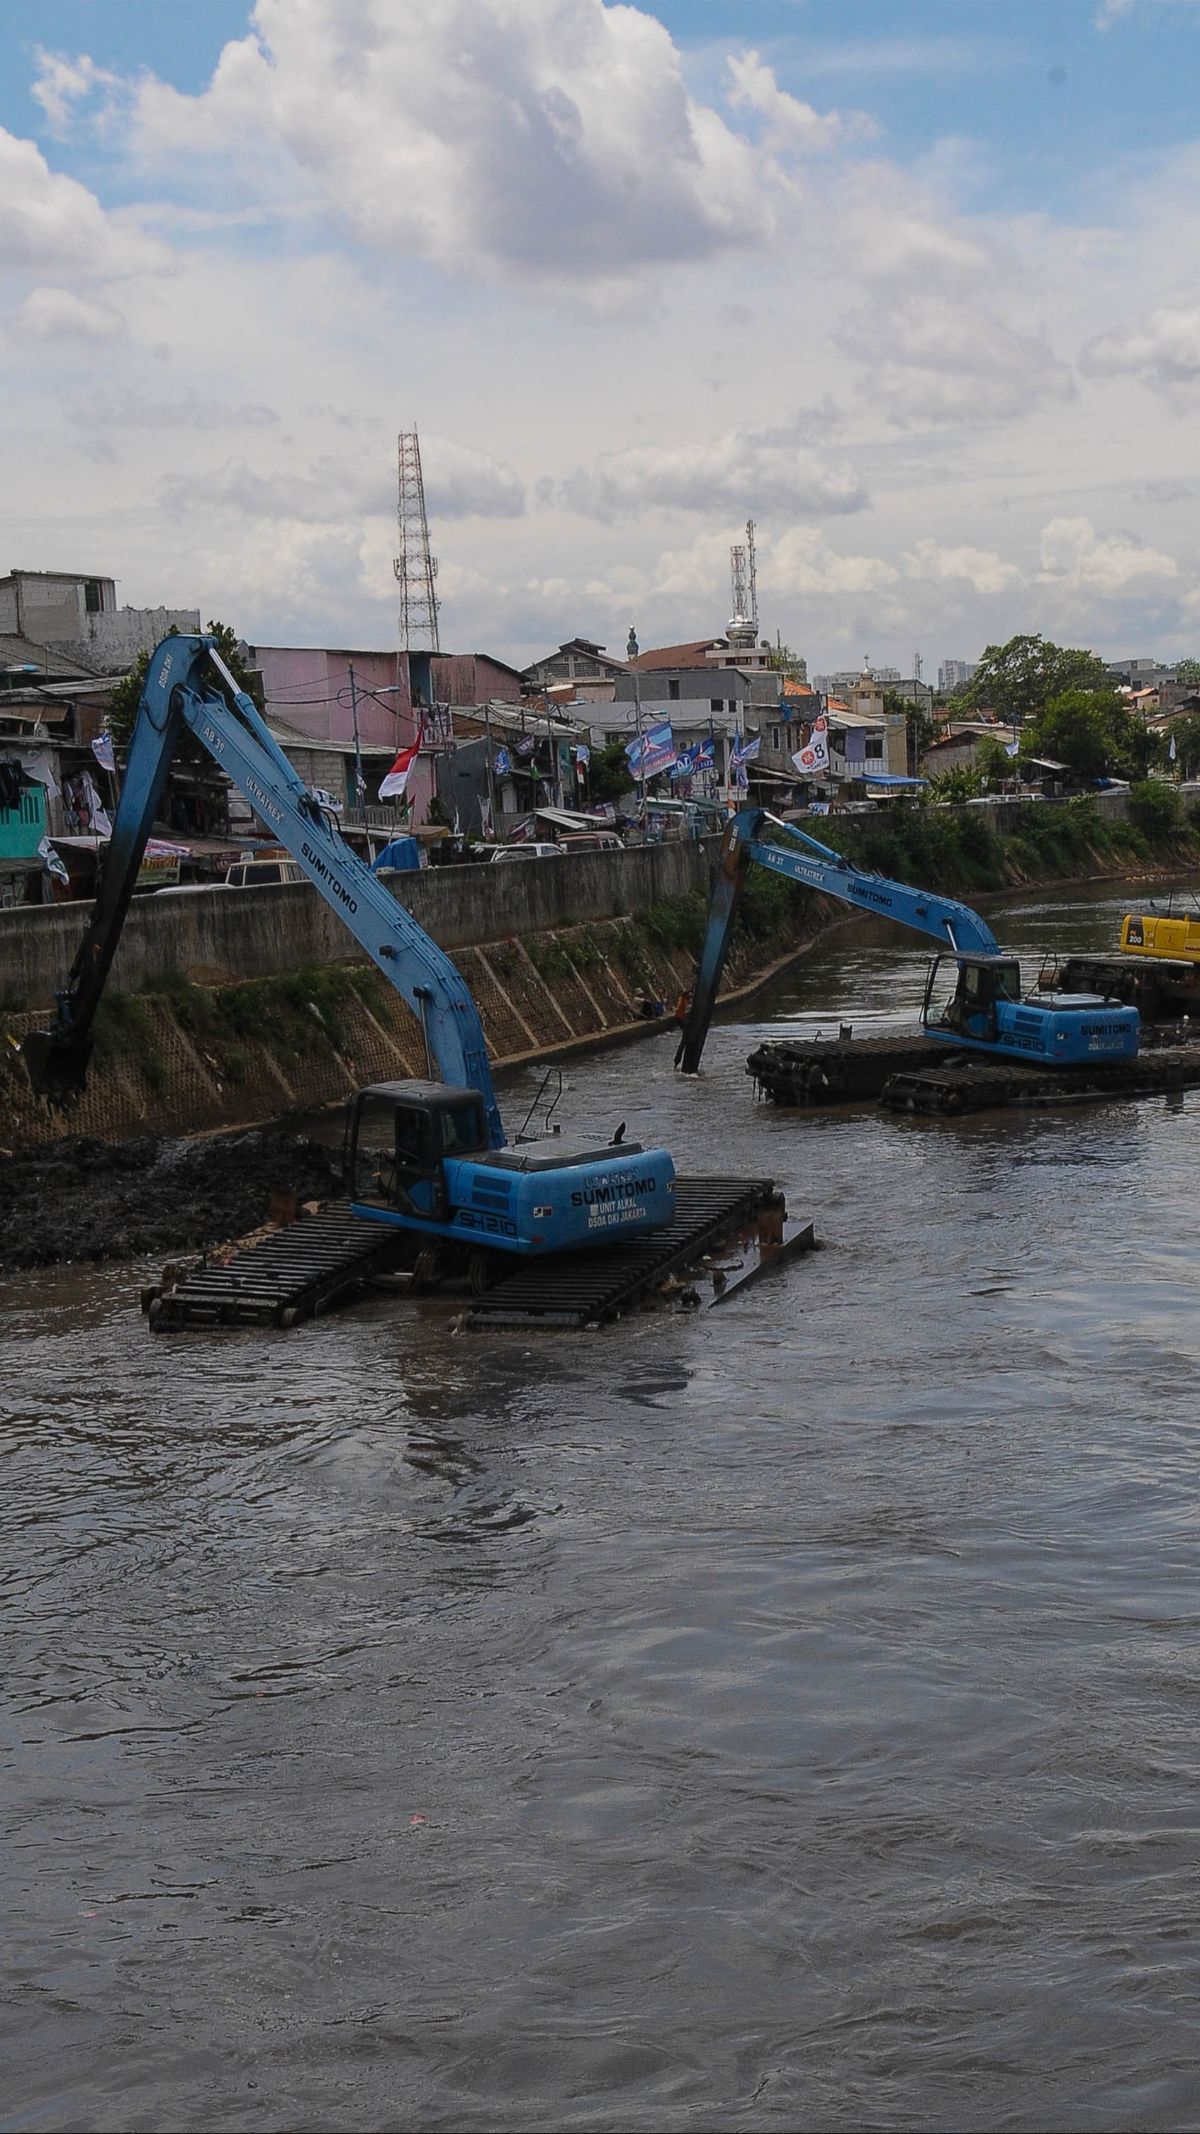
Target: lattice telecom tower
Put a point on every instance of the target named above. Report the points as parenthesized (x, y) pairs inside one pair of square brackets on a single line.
[(743, 623), (415, 566)]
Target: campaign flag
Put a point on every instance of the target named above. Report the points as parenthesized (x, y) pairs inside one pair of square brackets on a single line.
[(743, 751), (97, 814), (653, 752), (52, 861), (583, 754), (813, 760), (503, 763), (706, 754), (740, 779), (102, 750), (685, 762), (393, 786), (524, 748)]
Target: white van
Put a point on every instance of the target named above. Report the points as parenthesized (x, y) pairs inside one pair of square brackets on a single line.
[(263, 874)]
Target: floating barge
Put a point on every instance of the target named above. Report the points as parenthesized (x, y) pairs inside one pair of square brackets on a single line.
[(911, 1074), (724, 1234)]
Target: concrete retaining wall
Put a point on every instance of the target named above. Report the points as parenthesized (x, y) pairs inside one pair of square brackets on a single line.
[(218, 936)]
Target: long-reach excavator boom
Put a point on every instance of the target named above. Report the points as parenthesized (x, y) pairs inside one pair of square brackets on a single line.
[(986, 1013), (183, 691), (427, 1157)]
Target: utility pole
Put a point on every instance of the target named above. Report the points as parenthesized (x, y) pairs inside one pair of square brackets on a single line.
[(360, 783), (491, 786), (631, 654)]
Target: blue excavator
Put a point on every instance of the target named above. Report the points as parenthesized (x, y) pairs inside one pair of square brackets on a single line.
[(428, 1156), (986, 1011)]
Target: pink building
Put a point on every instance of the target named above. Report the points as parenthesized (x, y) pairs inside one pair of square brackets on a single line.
[(312, 698), (318, 711), (474, 678)]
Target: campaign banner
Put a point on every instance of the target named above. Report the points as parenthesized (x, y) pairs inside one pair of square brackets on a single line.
[(812, 761), (685, 762), (503, 764), (743, 751), (706, 754), (102, 750), (654, 752)]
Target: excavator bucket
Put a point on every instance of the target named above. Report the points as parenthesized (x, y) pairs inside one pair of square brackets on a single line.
[(57, 1064)]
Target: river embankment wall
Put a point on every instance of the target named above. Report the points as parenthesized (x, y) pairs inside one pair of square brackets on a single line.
[(221, 936), (236, 1007)]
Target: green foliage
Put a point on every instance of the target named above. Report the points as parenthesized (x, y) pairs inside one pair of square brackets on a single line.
[(1092, 732), (609, 777), (785, 661), (993, 761), (1018, 680), (127, 695), (1186, 732), (1188, 671), (961, 782), (1154, 806)]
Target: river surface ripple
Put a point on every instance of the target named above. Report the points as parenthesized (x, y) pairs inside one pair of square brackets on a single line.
[(781, 1718)]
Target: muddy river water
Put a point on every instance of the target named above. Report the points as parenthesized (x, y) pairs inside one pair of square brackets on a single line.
[(785, 1717)]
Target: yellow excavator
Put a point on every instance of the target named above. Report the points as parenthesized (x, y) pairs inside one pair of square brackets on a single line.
[(1157, 969), (1158, 934)]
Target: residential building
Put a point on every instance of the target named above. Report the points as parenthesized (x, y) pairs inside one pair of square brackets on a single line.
[(474, 678), (332, 708), (51, 711), (588, 666), (76, 614)]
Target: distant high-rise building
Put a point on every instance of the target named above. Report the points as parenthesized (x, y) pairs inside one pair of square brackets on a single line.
[(955, 673)]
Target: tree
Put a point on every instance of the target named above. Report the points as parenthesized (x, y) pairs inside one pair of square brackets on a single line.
[(1092, 733), (1186, 735), (992, 760), (1188, 670), (609, 776), (785, 661), (1019, 679), (127, 695), (961, 782)]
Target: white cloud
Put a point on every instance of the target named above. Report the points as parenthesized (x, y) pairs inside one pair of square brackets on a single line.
[(934, 359), (981, 568), (460, 482), (791, 123), (50, 225), (743, 470), (551, 136), (118, 407), (1077, 557), (1162, 349), (802, 562), (60, 315)]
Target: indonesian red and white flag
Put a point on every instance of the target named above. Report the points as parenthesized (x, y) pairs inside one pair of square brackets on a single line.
[(397, 777)]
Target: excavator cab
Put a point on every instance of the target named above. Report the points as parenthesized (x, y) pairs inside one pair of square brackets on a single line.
[(398, 1136), (981, 984)]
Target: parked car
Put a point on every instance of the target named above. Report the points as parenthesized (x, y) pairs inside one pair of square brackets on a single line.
[(591, 841), (526, 852), (263, 874), (245, 874)]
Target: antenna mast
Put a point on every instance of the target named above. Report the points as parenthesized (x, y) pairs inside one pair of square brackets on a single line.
[(415, 566), (743, 623)]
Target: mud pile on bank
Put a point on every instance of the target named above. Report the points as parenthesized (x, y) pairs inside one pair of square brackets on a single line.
[(97, 1200)]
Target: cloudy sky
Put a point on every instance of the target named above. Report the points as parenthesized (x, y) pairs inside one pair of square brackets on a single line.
[(915, 283)]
